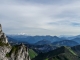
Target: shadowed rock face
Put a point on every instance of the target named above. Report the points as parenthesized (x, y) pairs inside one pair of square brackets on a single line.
[(0, 28), (7, 52), (3, 37)]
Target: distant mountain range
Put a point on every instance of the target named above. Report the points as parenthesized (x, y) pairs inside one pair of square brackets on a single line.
[(22, 47), (44, 43), (44, 40), (34, 39), (65, 43)]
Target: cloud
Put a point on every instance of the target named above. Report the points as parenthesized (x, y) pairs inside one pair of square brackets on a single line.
[(40, 17)]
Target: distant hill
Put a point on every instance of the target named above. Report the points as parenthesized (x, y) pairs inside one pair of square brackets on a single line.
[(65, 43), (32, 53), (14, 41), (62, 53), (76, 39), (76, 49), (73, 38), (43, 42)]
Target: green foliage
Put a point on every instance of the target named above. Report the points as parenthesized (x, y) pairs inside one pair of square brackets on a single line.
[(2, 43), (71, 51), (32, 54), (46, 59), (7, 55), (13, 50)]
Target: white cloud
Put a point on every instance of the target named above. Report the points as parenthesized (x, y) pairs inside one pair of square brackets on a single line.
[(40, 18)]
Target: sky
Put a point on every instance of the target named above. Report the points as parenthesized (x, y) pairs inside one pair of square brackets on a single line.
[(40, 17)]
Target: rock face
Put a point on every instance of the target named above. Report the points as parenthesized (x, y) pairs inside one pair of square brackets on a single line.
[(7, 52), (3, 36), (19, 52)]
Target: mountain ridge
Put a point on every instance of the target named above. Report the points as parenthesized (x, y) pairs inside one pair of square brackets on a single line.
[(62, 53)]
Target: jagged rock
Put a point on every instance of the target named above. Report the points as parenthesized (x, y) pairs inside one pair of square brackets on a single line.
[(0, 28), (19, 52), (7, 52), (3, 51), (3, 37)]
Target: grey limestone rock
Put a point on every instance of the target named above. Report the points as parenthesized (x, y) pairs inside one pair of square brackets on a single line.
[(7, 52)]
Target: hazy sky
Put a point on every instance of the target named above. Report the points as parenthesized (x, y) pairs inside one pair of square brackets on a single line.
[(40, 17)]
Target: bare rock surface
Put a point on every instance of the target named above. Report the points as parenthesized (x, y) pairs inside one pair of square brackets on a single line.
[(8, 52)]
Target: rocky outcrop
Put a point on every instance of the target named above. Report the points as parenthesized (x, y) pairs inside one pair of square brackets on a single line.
[(8, 52), (19, 52), (3, 37), (4, 45), (3, 51)]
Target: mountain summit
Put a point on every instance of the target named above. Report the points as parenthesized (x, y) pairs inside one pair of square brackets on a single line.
[(8, 52), (2, 36)]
